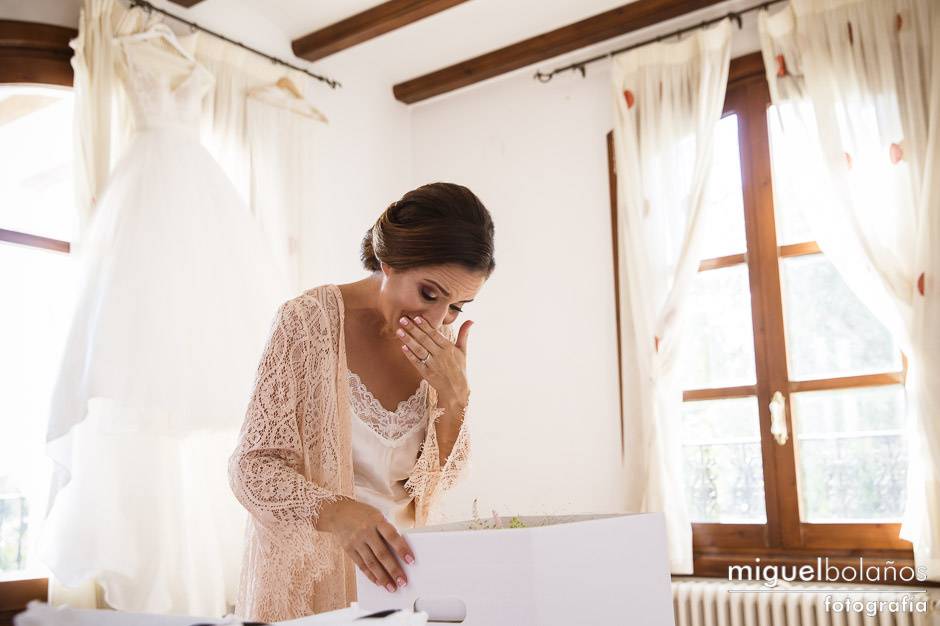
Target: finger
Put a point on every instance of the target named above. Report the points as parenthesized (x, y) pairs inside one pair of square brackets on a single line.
[(372, 562), (388, 560), (419, 342), (361, 564), (397, 542), (463, 335), (439, 338), (408, 342), (421, 367)]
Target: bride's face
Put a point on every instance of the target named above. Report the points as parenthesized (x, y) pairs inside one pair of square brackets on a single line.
[(436, 292)]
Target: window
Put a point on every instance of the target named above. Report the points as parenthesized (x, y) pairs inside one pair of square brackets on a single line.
[(770, 313), (37, 222)]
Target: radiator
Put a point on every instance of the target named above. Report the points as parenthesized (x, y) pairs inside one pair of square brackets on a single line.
[(702, 602)]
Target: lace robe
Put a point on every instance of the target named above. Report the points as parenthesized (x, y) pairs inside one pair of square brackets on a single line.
[(294, 454)]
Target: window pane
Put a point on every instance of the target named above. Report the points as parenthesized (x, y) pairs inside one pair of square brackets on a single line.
[(36, 161), (852, 454), (39, 291), (724, 205), (14, 520), (724, 478), (830, 333), (794, 193), (719, 338)]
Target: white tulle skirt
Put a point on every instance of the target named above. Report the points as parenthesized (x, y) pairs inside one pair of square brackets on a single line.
[(179, 290)]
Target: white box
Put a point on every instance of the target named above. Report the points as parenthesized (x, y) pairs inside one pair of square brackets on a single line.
[(558, 571)]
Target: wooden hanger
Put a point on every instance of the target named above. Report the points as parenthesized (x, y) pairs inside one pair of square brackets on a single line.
[(161, 31), (297, 103), (288, 85)]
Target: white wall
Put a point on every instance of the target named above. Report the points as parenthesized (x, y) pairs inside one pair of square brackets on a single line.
[(364, 165), (58, 12)]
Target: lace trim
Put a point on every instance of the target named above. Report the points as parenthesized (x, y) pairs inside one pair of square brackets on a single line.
[(389, 425), (152, 97), (428, 479), (459, 456)]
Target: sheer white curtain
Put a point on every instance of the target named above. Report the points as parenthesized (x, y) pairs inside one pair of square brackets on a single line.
[(102, 121), (237, 72), (265, 139), (861, 79), (103, 127), (281, 145), (668, 98)]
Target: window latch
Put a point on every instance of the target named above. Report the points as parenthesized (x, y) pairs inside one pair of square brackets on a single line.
[(778, 418)]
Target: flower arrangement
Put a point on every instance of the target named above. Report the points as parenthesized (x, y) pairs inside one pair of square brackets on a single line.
[(478, 523)]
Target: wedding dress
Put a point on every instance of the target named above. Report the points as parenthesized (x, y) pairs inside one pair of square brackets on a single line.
[(178, 293)]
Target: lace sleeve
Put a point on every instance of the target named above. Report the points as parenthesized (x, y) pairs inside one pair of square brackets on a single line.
[(428, 478), (265, 471)]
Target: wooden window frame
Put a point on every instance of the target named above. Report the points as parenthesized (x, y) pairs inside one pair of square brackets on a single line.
[(36, 54), (31, 53), (784, 539)]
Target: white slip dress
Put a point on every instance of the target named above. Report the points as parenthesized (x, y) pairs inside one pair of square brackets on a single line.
[(385, 447)]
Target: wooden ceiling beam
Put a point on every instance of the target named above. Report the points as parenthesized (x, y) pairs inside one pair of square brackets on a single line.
[(35, 53), (601, 27), (369, 24)]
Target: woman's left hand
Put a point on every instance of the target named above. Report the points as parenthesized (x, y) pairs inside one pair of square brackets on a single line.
[(446, 363)]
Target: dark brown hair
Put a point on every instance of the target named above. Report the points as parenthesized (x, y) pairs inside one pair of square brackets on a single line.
[(434, 224)]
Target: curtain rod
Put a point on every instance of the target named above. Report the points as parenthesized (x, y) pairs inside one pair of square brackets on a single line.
[(579, 66), (147, 6)]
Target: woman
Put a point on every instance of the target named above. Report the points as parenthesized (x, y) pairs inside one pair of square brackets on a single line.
[(327, 472)]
